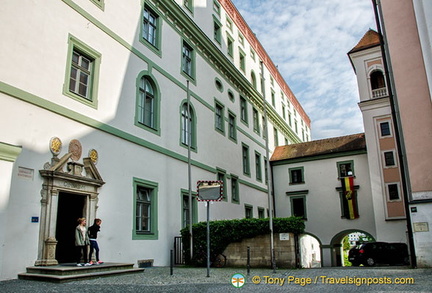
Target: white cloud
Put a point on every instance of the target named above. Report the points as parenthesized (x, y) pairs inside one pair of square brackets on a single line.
[(309, 41)]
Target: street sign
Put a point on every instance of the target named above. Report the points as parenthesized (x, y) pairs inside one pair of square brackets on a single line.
[(210, 190)]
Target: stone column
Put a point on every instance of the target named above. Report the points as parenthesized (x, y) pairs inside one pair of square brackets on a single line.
[(49, 242)]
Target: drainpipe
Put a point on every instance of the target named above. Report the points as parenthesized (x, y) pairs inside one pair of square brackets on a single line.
[(397, 125), (189, 142), (269, 178)]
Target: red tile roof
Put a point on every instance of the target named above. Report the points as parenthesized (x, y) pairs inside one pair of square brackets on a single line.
[(333, 145), (370, 39)]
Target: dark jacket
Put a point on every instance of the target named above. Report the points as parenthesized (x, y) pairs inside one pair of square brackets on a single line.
[(93, 230)]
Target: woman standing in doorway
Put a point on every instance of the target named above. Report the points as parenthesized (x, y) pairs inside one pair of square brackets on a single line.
[(81, 242)]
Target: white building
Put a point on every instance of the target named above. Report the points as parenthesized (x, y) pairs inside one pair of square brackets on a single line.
[(94, 123), (308, 180)]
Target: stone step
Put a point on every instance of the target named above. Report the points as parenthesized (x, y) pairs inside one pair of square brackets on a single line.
[(70, 272)]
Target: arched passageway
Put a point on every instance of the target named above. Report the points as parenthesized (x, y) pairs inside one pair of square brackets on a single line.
[(310, 251), (339, 250)]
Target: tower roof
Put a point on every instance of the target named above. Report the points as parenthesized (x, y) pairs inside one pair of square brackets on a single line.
[(370, 39)]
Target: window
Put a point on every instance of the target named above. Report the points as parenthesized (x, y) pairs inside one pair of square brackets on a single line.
[(216, 6), (283, 112), (229, 24), (241, 39), (252, 54), (219, 85), (393, 191), (83, 73), (345, 168), (150, 27), (243, 110), (248, 211), (389, 159), (219, 118), (221, 176), (188, 126), (80, 76), (385, 129), (276, 138), (258, 169), (186, 208), (256, 125), (261, 213), (253, 80), (147, 104), (234, 189), (232, 126), (265, 171), (289, 119), (273, 99), (245, 156), (217, 30), (145, 209), (298, 206), (296, 175), (231, 96), (242, 58), (187, 60), (230, 46)]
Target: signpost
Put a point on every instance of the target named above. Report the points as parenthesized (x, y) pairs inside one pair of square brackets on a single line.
[(209, 191)]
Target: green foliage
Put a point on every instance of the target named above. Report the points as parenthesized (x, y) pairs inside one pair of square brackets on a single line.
[(347, 263), (345, 243), (224, 232)]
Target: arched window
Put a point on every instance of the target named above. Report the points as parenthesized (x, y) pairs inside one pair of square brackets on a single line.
[(378, 84), (147, 103), (187, 126)]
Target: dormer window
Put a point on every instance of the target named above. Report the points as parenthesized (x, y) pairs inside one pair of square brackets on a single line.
[(378, 84)]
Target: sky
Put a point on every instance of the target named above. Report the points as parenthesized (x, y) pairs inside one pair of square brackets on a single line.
[(308, 40)]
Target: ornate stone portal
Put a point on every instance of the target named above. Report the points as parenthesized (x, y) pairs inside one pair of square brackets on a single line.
[(65, 174)]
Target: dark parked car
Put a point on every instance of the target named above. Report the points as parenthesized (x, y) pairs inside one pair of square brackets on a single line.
[(373, 253)]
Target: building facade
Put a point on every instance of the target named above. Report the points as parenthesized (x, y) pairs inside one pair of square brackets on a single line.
[(406, 27), (95, 123), (384, 169), (309, 180)]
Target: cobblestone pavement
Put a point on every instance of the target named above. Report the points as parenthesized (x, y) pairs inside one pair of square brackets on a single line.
[(158, 279)]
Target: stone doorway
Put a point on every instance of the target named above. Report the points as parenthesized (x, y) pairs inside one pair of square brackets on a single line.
[(70, 208), (70, 190)]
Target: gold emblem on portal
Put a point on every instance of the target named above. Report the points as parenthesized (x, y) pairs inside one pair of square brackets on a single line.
[(55, 146), (93, 155)]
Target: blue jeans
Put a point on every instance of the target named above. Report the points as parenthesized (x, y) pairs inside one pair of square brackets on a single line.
[(94, 245)]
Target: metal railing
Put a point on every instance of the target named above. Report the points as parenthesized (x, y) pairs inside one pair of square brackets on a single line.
[(179, 258)]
